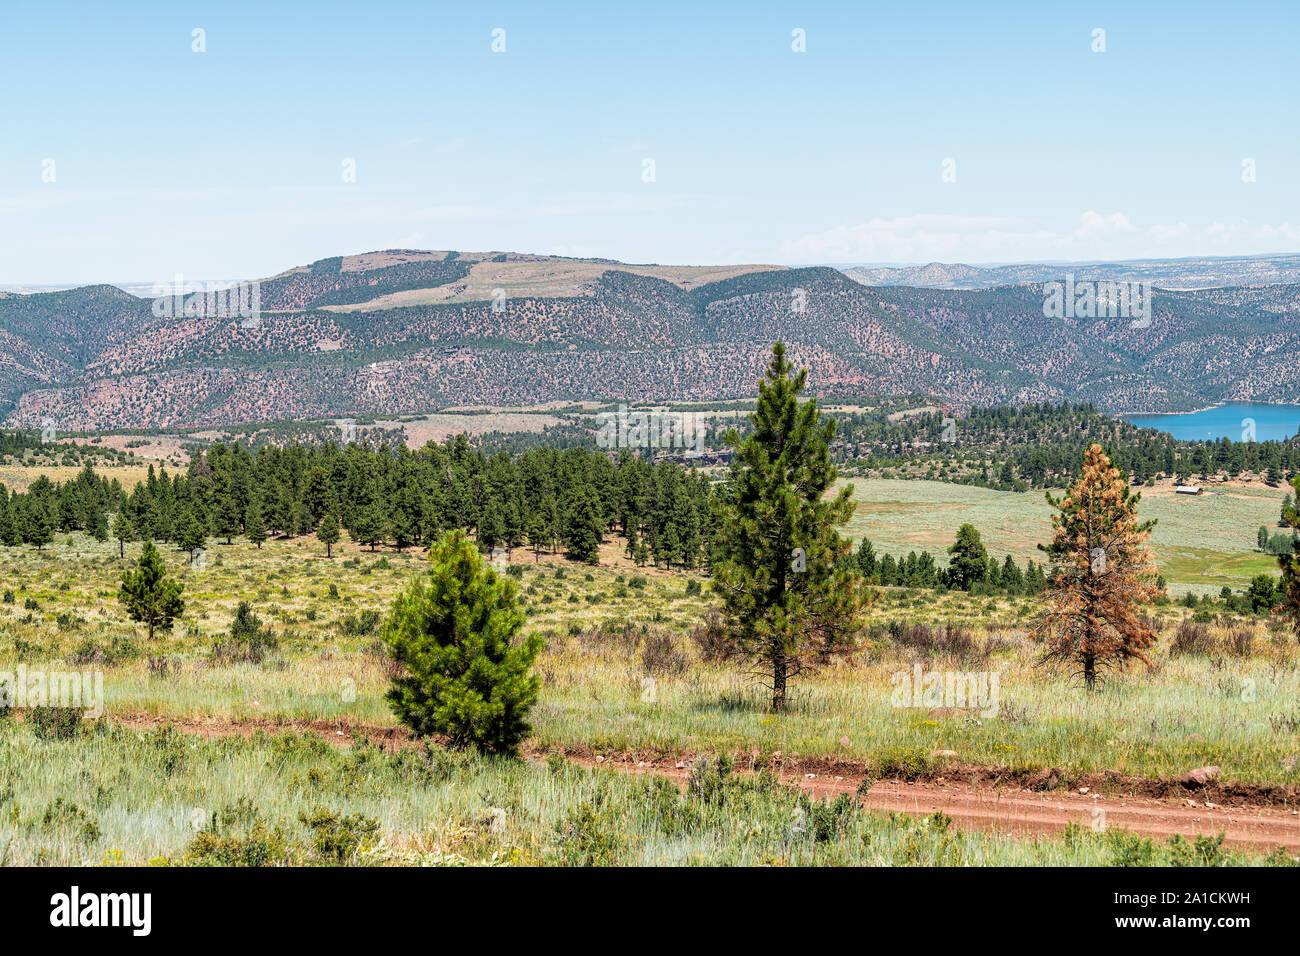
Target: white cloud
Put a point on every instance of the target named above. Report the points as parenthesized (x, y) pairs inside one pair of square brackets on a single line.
[(1095, 224), (1096, 235)]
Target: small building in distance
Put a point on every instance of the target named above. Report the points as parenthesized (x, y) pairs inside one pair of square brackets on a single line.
[(1188, 489)]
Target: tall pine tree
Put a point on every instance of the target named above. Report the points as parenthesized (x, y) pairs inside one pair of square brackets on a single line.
[(787, 596)]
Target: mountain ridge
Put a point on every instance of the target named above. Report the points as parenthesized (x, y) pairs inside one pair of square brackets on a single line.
[(406, 331)]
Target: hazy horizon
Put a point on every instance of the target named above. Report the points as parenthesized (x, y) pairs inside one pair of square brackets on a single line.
[(137, 283)]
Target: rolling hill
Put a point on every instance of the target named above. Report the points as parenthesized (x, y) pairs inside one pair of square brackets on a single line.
[(404, 331)]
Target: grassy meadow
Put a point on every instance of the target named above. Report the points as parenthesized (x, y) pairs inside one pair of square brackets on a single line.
[(620, 673), (625, 670), (115, 797), (1200, 543)]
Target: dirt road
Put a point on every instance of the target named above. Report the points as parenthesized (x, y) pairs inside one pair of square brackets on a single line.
[(1260, 821)]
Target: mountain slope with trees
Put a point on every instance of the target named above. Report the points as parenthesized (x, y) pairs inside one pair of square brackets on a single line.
[(330, 342)]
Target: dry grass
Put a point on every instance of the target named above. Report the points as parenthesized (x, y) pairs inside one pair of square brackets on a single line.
[(606, 636), (545, 278)]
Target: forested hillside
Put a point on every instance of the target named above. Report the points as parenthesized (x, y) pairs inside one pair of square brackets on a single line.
[(402, 332)]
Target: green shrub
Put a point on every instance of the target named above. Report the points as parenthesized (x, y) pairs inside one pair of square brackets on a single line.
[(237, 836), (63, 816), (359, 625), (54, 723), (827, 820), (907, 763), (466, 673), (249, 639), (336, 838), (169, 745), (592, 835), (1204, 851), (1129, 849), (708, 777)]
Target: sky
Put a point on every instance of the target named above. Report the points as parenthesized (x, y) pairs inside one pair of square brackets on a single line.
[(665, 132)]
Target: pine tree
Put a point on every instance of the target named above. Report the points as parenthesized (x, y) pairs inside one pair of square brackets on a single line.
[(370, 525), (549, 509), (1262, 593), (866, 558), (466, 670), (584, 526), (1013, 582), (10, 533), (787, 597), (491, 527), (328, 532), (150, 596), (193, 534), (123, 531), (1101, 569), (969, 563), (37, 527), (226, 519), (888, 570), (539, 535), (254, 527)]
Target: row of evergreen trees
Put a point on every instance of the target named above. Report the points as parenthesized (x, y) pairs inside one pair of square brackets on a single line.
[(970, 568), (1276, 544), (48, 507), (1037, 445), (543, 499)]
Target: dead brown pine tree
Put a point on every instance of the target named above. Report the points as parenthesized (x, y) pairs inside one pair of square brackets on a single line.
[(1101, 572)]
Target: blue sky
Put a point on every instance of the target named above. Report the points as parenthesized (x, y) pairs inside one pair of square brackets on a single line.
[(228, 163)]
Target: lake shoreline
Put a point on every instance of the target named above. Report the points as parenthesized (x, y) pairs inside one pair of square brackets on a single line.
[(1270, 422)]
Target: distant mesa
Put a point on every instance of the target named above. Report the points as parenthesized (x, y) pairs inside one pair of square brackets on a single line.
[(450, 328)]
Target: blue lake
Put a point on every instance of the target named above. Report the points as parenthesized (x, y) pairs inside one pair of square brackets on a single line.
[(1274, 422)]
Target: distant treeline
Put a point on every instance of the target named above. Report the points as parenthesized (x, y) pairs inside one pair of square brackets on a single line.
[(975, 571), (24, 443), (543, 499), (1039, 445)]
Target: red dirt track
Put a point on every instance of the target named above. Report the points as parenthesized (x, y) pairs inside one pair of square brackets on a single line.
[(1255, 818)]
